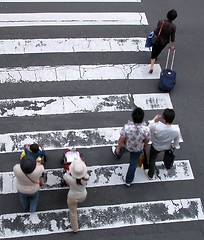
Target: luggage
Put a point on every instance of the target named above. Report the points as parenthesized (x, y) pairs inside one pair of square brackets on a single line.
[(168, 76)]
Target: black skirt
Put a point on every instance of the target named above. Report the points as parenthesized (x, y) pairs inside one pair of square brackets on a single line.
[(156, 50)]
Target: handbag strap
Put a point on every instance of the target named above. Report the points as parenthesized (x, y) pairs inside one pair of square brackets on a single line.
[(32, 180), (160, 28)]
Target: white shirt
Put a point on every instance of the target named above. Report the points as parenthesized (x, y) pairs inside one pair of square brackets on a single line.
[(164, 136)]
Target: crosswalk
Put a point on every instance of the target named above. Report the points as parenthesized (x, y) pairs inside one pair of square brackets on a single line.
[(56, 139)]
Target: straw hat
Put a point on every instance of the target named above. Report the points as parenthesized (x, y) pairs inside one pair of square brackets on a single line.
[(28, 164), (78, 169)]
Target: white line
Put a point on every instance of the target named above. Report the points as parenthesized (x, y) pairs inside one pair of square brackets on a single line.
[(72, 45), (82, 104), (102, 176), (57, 1), (101, 217), (76, 18), (62, 139), (78, 72)]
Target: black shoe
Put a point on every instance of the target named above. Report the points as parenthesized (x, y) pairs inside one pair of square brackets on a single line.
[(151, 71)]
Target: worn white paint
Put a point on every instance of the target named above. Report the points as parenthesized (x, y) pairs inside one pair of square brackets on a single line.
[(104, 175), (70, 18), (59, 1), (78, 72), (61, 139), (101, 217), (82, 104), (72, 45)]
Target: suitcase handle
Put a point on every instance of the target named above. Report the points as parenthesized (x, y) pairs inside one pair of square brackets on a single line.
[(172, 61)]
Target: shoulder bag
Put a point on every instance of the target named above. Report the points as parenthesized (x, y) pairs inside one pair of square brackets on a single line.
[(39, 182), (155, 38)]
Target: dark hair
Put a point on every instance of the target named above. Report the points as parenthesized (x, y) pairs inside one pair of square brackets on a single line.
[(78, 181), (34, 147), (171, 15), (168, 115), (138, 115)]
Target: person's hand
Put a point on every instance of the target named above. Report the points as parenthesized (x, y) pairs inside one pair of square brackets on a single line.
[(172, 47), (42, 148), (158, 116), (117, 151), (26, 146)]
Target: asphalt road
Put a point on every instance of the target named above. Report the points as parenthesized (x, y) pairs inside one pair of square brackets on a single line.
[(187, 99)]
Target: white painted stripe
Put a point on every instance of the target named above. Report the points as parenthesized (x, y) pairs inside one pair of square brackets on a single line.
[(31, 1), (102, 176), (62, 139), (77, 72), (72, 45), (76, 18), (82, 104), (101, 217)]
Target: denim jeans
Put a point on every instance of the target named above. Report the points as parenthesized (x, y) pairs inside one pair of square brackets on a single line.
[(29, 201), (133, 163)]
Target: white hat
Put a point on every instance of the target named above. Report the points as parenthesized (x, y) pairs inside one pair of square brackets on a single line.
[(78, 169)]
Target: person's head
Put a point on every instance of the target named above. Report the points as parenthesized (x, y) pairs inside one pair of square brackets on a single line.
[(168, 115), (78, 169), (171, 15), (34, 148), (138, 115), (28, 164)]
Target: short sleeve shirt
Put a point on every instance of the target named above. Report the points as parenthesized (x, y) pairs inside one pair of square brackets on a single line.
[(134, 135)]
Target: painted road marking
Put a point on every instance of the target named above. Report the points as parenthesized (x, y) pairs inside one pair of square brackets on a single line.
[(62, 139), (101, 217), (76, 18), (58, 1), (72, 45), (82, 104), (102, 176), (78, 73)]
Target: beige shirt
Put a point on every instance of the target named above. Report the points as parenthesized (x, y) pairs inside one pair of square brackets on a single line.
[(76, 191), (24, 184)]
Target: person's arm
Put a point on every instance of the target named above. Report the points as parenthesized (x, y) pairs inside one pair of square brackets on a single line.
[(146, 142), (121, 141), (65, 179), (175, 144)]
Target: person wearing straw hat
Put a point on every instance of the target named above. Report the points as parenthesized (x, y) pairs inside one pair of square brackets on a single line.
[(27, 175), (76, 178)]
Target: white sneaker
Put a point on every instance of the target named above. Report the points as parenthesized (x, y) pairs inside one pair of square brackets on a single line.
[(113, 151), (127, 184), (146, 173)]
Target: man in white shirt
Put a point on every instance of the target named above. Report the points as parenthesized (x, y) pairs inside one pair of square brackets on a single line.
[(164, 136)]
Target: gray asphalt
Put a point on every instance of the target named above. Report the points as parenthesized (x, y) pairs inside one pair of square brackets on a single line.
[(187, 99)]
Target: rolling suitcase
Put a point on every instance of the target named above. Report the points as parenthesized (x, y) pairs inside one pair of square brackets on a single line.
[(168, 76)]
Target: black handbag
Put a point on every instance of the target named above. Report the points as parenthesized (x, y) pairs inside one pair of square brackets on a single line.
[(155, 38), (168, 159)]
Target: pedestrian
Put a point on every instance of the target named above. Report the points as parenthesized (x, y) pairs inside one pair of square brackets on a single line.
[(167, 33), (134, 137), (164, 136), (35, 151), (28, 173), (76, 178)]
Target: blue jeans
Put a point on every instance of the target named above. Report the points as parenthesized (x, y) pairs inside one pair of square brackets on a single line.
[(133, 163), (29, 201)]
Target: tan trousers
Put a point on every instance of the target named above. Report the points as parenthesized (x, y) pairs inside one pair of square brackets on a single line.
[(72, 205)]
